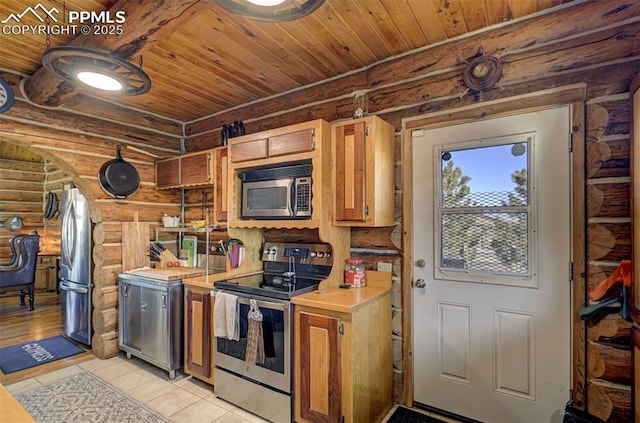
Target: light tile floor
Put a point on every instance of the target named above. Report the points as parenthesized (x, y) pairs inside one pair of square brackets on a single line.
[(184, 399)]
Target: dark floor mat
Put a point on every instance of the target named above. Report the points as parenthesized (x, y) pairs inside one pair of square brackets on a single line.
[(405, 415)]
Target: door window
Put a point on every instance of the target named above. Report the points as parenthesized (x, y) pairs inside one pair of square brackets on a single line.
[(484, 211)]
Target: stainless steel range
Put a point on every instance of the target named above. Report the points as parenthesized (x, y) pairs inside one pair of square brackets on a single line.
[(266, 388)]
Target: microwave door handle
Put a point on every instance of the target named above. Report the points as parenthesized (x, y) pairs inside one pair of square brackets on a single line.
[(293, 203)]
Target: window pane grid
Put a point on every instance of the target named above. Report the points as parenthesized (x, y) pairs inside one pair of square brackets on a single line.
[(485, 242)]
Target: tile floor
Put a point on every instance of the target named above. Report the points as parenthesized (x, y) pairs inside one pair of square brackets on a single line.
[(184, 399)]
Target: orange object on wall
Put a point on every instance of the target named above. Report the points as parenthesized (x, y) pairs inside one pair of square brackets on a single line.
[(621, 274)]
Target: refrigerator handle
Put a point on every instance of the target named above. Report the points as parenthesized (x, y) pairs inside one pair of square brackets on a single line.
[(66, 287)]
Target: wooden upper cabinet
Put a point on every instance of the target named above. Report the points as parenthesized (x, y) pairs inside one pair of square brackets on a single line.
[(273, 146), (188, 170), (221, 182), (295, 142), (249, 150), (168, 173), (364, 177), (195, 169)]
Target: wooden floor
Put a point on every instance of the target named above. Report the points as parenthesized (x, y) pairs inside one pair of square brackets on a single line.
[(18, 325)]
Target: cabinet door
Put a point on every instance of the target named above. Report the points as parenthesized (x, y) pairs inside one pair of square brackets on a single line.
[(195, 169), (221, 159), (130, 325), (154, 323), (320, 387), (249, 150), (198, 334), (295, 142), (350, 151), (168, 173)]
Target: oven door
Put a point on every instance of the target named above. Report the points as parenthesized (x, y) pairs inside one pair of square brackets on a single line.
[(276, 329), (267, 199)]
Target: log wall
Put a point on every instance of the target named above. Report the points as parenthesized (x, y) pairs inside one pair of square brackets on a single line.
[(21, 187), (74, 145), (599, 49)]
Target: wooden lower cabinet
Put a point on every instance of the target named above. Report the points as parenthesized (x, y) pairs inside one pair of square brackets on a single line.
[(343, 364), (198, 333), (46, 273)]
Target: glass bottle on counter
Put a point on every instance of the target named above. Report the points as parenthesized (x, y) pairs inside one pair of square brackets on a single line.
[(354, 273)]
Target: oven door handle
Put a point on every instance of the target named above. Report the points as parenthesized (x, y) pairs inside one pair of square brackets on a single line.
[(265, 304)]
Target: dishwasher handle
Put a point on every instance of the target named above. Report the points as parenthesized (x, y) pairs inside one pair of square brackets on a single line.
[(64, 286)]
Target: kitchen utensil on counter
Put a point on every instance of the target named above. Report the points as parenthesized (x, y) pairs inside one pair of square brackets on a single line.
[(155, 251), (119, 178)]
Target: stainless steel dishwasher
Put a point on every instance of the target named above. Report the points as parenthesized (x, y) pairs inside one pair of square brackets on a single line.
[(150, 320)]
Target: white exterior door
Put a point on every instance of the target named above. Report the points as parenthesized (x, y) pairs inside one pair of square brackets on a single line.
[(492, 251)]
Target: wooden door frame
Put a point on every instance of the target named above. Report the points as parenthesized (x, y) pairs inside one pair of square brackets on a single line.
[(573, 95)]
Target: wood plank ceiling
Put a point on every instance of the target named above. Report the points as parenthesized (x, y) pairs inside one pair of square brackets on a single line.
[(219, 60)]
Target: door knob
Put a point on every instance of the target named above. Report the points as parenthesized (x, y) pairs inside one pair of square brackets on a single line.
[(420, 283), (420, 263)]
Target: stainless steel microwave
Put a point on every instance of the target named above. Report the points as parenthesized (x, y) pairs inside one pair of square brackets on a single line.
[(278, 192)]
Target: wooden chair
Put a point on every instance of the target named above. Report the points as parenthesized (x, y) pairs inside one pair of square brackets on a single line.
[(21, 276)]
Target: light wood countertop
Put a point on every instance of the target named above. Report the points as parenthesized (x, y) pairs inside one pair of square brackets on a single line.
[(341, 300), (11, 409)]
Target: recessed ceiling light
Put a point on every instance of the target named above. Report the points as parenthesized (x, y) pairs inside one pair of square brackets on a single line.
[(100, 81), (266, 2)]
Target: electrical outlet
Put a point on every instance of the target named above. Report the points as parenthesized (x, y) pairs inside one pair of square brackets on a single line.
[(384, 267)]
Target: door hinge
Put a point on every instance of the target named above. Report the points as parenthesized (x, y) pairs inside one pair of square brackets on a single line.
[(341, 329), (571, 142), (366, 131), (366, 210), (341, 419), (570, 271)]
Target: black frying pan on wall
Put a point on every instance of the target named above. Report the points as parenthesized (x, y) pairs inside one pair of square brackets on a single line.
[(119, 178)]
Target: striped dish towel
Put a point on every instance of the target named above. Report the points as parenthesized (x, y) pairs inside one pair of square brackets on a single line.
[(255, 340)]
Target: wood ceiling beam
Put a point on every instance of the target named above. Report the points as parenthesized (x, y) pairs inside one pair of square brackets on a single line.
[(147, 23)]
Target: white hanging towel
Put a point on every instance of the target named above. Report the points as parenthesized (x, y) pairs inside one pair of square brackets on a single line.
[(255, 340), (225, 316)]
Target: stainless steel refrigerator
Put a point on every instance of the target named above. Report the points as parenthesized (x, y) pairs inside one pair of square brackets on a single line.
[(76, 266)]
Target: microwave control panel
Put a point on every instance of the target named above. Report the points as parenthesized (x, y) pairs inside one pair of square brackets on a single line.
[(303, 197)]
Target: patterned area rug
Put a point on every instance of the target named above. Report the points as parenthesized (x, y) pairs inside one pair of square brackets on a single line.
[(85, 398)]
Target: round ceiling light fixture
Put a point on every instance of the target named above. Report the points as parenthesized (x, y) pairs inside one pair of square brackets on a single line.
[(6, 96), (100, 71), (271, 10), (482, 73)]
